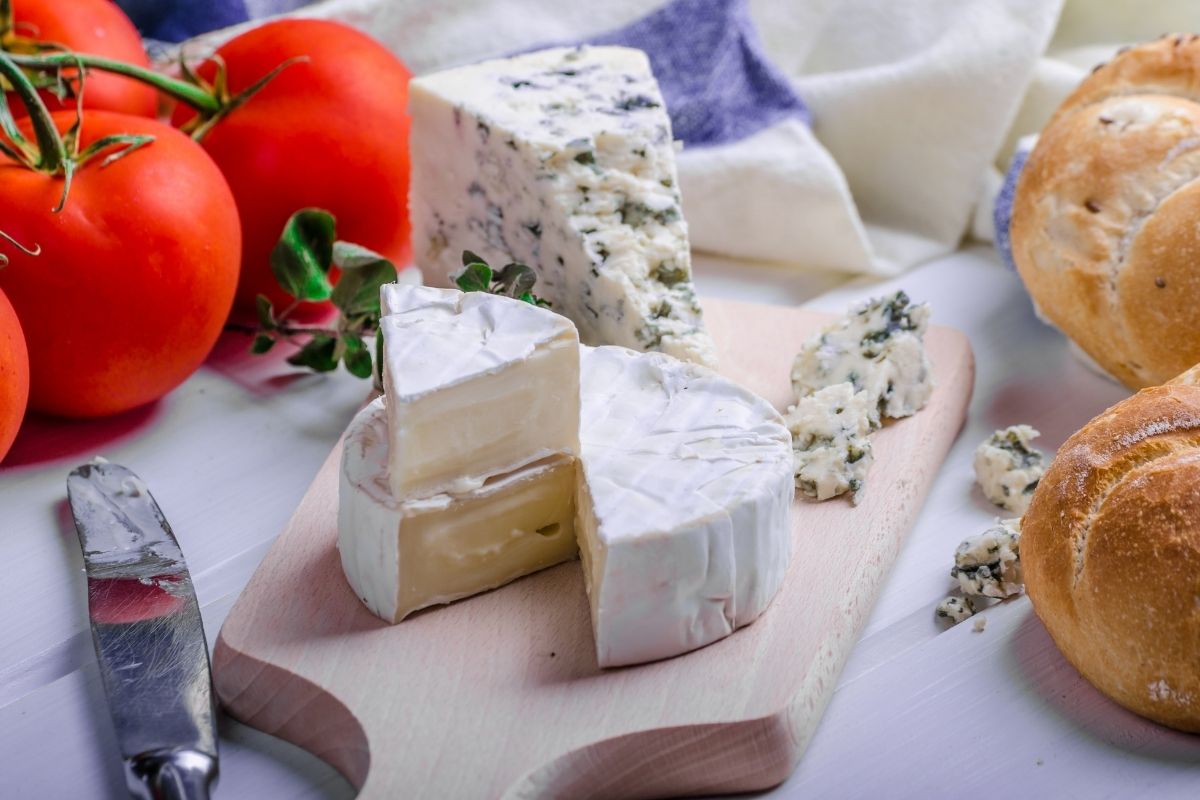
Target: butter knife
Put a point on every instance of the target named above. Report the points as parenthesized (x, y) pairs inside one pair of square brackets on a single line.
[(148, 635)]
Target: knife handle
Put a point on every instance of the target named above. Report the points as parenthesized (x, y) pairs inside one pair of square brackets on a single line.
[(170, 775)]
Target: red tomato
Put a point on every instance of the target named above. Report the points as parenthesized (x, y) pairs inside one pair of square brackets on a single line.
[(331, 132), (95, 27), (14, 375), (136, 274)]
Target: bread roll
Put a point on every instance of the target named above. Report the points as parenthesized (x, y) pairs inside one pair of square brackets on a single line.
[(1104, 224), (1110, 549)]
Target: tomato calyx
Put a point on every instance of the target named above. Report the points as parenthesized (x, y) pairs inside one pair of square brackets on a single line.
[(53, 153), (218, 91)]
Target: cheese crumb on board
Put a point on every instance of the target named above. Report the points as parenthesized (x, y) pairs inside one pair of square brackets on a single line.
[(980, 624), (878, 348), (829, 441), (1008, 467)]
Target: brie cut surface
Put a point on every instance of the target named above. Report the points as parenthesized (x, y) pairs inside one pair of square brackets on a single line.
[(401, 556), (683, 510), (477, 385), (561, 159)]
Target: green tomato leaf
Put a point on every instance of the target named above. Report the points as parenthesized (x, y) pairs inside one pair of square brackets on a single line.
[(304, 253), (318, 354), (262, 343), (516, 280), (475, 277), (363, 273), (357, 357)]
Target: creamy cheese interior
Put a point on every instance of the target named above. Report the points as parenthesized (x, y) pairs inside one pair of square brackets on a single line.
[(401, 556)]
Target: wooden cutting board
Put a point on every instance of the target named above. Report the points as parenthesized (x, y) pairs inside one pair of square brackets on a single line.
[(500, 696)]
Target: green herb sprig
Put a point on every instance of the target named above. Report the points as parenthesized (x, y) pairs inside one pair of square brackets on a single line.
[(514, 280), (301, 261)]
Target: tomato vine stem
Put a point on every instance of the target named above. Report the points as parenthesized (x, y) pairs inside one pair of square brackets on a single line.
[(212, 103), (191, 94), (55, 154), (51, 153)]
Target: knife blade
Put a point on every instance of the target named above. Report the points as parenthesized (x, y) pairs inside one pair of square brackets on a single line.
[(148, 634)]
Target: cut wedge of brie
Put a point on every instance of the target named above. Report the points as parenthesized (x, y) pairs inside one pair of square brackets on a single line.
[(477, 385)]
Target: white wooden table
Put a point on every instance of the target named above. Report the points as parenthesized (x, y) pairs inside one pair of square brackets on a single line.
[(919, 712)]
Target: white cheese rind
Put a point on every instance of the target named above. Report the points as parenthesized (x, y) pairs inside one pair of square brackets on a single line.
[(401, 556), (683, 513), (477, 385), (1008, 467), (561, 159), (878, 348), (830, 441)]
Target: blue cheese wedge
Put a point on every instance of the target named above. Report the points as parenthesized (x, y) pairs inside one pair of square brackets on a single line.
[(989, 565), (1008, 467), (878, 348), (564, 160), (831, 451)]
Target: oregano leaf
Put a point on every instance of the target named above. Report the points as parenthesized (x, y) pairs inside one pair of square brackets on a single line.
[(516, 279), (262, 343), (357, 357), (364, 272), (475, 277), (317, 354), (304, 253), (266, 312)]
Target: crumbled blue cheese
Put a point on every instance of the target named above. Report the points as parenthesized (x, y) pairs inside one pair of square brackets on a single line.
[(1008, 467), (878, 347), (955, 609), (989, 564), (829, 441), (564, 160)]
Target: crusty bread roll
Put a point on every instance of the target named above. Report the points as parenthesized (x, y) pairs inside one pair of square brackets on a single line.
[(1110, 549), (1104, 223)]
